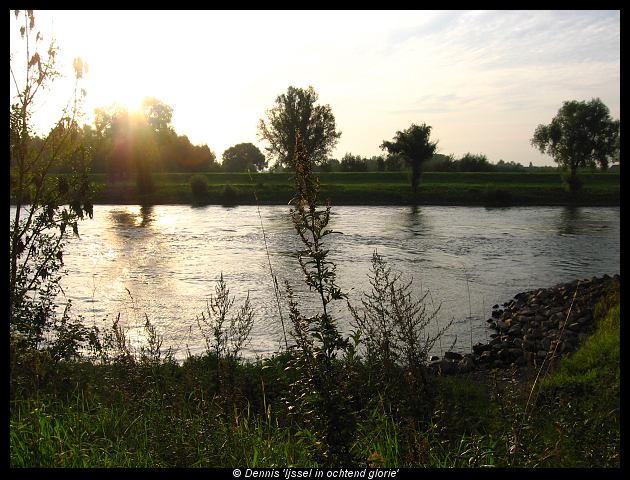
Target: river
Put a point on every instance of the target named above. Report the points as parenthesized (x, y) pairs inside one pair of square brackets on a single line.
[(164, 262)]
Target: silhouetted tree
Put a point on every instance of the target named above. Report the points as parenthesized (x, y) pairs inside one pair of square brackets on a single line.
[(159, 116), (415, 147), (353, 163), (183, 156), (474, 163), (132, 141), (242, 157), (296, 109)]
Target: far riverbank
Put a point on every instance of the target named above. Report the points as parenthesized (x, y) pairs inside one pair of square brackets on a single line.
[(370, 188)]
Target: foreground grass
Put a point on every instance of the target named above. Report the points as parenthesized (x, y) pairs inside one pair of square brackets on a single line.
[(134, 412), (474, 188)]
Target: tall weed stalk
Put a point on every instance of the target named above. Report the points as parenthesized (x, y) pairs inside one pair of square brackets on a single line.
[(322, 358)]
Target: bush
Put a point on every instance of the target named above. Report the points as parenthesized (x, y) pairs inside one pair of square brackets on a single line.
[(229, 194), (394, 331), (199, 186)]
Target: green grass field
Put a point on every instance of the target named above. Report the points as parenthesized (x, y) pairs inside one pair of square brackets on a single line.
[(373, 188)]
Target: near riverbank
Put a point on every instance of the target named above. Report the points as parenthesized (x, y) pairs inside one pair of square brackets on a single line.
[(140, 409), (536, 328), (370, 188)]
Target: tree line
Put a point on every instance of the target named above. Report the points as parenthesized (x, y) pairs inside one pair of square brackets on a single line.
[(438, 163)]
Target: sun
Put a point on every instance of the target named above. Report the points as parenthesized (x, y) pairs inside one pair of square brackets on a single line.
[(127, 95), (109, 87)]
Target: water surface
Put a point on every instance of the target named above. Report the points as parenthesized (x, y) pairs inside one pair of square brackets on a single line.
[(164, 261)]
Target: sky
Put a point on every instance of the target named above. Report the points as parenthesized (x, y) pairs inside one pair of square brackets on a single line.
[(483, 80)]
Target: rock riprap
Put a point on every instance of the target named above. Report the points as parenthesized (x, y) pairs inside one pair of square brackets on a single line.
[(536, 326)]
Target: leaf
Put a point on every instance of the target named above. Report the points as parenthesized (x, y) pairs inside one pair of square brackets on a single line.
[(34, 59)]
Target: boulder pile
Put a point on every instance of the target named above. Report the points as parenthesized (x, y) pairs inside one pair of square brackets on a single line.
[(536, 326)]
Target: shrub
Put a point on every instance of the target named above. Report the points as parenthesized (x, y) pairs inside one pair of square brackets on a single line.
[(199, 186), (393, 328), (229, 193)]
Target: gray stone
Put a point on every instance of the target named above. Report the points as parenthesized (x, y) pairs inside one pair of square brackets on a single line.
[(515, 331), (537, 334), (501, 325), (453, 356), (466, 365)]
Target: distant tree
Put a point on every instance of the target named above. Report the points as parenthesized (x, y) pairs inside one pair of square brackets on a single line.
[(582, 134), (394, 162), (380, 163), (242, 157), (296, 109), (131, 142), (415, 147), (353, 163), (182, 156), (134, 149), (441, 163), (474, 163), (330, 165), (512, 166)]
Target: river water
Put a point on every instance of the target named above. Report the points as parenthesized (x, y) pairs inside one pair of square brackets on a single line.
[(164, 261)]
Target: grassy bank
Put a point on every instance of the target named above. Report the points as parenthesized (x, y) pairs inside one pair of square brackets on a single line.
[(137, 408), (373, 188)]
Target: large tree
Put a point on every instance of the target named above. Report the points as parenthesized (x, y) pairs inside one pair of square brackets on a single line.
[(242, 157), (296, 110), (582, 134), (159, 116), (415, 147), (132, 140)]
